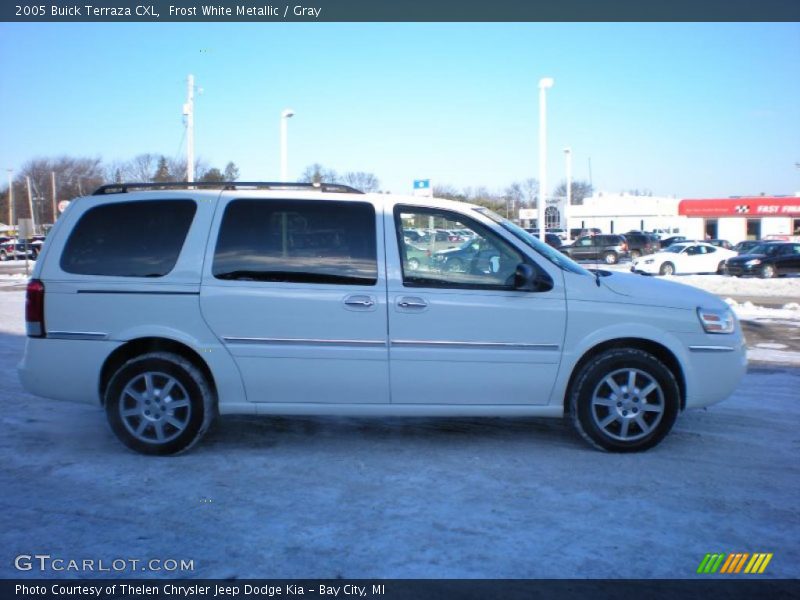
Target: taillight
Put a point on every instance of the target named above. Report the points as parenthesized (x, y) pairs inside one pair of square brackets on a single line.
[(34, 309)]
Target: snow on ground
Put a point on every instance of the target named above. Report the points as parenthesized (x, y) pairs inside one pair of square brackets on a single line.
[(401, 498), (404, 498), (723, 285)]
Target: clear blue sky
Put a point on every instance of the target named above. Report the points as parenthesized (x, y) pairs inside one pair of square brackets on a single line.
[(694, 110)]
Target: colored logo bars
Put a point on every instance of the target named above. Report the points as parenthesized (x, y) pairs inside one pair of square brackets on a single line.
[(732, 563)]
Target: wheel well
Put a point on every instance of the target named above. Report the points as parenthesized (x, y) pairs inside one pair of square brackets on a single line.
[(657, 350), (140, 346)]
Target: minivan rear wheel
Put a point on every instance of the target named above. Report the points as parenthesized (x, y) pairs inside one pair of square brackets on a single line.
[(159, 403), (624, 400), (610, 258)]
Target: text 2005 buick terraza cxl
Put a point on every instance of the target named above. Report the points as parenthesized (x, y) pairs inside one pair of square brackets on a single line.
[(169, 306)]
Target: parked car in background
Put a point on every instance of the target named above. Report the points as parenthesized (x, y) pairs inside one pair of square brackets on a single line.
[(771, 259), (720, 243), (744, 246), (667, 242), (551, 239), (15, 250), (640, 244), (609, 248), (416, 258), (683, 258), (575, 233), (475, 255)]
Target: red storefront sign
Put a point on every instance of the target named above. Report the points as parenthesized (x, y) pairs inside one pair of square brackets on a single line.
[(756, 207)]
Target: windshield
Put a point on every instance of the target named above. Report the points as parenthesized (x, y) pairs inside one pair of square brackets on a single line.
[(768, 249), (554, 256)]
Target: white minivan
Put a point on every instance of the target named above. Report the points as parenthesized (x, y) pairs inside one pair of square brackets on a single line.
[(170, 304)]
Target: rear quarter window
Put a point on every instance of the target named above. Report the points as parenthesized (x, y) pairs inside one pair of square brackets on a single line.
[(129, 239)]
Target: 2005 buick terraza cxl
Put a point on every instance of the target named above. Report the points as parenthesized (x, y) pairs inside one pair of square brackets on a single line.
[(169, 306)]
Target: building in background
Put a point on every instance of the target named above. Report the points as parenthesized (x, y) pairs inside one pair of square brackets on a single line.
[(734, 219)]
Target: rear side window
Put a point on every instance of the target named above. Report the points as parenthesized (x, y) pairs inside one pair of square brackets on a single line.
[(129, 239), (301, 241)]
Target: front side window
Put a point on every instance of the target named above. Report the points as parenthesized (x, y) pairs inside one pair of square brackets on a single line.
[(300, 241), (453, 252), (129, 239)]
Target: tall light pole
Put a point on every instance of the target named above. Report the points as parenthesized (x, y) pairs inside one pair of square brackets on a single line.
[(568, 157), (10, 198), (53, 184), (544, 84), (30, 205), (188, 112), (285, 116)]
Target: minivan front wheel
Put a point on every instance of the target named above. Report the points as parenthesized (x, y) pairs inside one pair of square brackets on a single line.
[(159, 403), (624, 400)]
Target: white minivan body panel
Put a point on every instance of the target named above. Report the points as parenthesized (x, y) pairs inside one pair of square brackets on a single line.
[(94, 315), (301, 342), (471, 346)]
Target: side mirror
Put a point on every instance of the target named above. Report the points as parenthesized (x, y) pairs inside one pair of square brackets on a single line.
[(525, 278)]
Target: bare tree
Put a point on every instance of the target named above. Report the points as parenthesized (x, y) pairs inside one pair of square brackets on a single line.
[(231, 172), (580, 190), (366, 182), (316, 173), (213, 175), (74, 177)]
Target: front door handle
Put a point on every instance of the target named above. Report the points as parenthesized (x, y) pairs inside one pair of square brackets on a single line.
[(411, 302)]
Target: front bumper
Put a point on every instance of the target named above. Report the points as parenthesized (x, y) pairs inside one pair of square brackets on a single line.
[(740, 269)]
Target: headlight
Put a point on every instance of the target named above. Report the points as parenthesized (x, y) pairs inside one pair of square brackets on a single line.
[(716, 320), (649, 261), (753, 263)]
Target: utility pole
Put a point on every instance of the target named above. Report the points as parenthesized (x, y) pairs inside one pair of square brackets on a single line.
[(53, 183), (544, 84), (188, 112), (567, 207), (10, 198), (30, 204), (285, 116)]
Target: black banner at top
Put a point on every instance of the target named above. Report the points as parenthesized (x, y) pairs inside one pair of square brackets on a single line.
[(397, 10)]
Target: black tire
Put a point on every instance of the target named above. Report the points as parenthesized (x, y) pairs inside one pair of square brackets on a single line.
[(721, 268), (599, 413), (768, 271), (611, 258), (3, 255), (667, 269), (413, 264), (130, 395)]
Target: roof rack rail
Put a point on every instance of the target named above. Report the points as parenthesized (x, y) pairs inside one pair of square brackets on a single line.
[(123, 188)]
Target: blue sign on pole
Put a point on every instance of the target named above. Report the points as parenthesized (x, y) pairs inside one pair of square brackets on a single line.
[(422, 187)]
